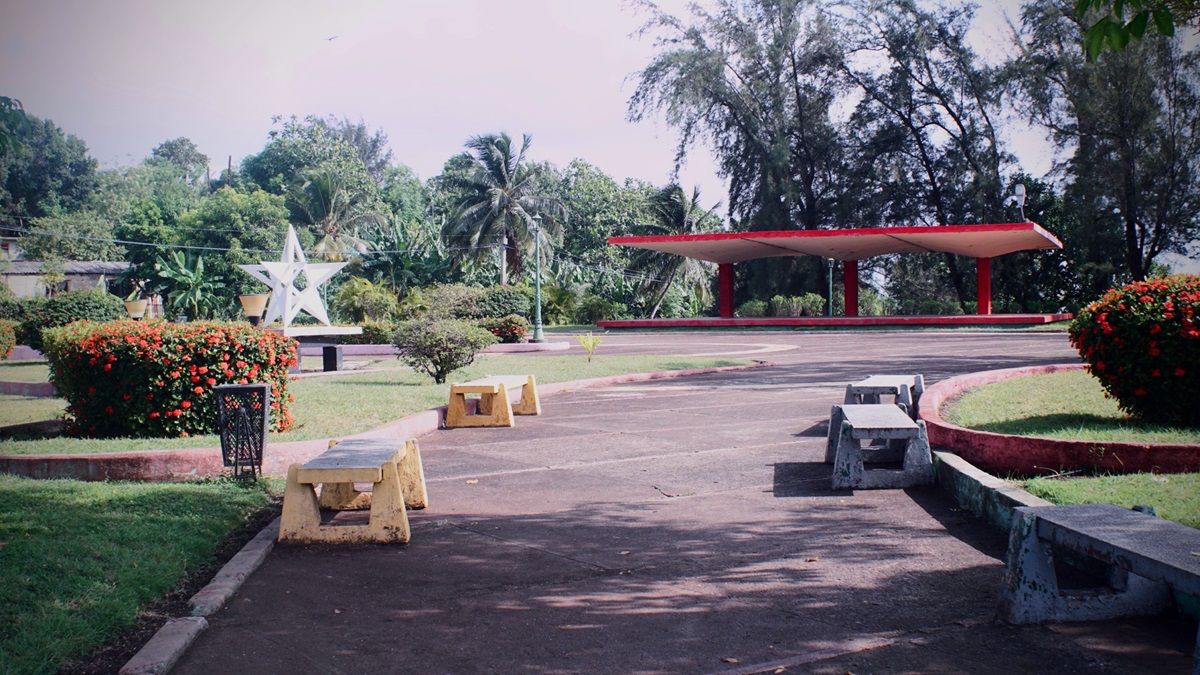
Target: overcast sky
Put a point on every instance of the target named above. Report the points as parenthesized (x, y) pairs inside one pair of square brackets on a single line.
[(125, 75)]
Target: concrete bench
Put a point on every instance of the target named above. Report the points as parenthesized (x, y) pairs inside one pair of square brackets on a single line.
[(1144, 558), (494, 408), (394, 469), (906, 442), (906, 389)]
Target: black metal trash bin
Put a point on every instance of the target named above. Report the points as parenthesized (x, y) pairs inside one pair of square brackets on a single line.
[(243, 419)]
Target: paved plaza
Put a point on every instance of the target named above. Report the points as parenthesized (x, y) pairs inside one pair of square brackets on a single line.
[(677, 526)]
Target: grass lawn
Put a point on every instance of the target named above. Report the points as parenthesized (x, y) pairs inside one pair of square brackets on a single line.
[(79, 560), (339, 405), (22, 409), (1174, 496), (1068, 405), (24, 371)]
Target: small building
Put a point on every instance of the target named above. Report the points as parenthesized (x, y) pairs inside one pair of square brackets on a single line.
[(24, 277)]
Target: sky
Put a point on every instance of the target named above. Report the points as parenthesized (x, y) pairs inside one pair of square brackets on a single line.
[(126, 75)]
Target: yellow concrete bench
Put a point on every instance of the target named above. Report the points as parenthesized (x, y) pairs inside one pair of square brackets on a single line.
[(392, 466), (494, 408)]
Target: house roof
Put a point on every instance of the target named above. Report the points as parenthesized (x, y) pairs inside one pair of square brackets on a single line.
[(34, 267), (977, 241)]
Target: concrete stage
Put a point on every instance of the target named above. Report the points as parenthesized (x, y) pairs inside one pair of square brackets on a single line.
[(842, 321)]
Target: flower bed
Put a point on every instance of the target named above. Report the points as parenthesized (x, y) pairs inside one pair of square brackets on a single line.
[(155, 379)]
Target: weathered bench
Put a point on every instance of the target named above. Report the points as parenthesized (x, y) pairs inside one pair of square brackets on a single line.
[(906, 442), (494, 408), (1144, 558), (906, 389), (392, 466)]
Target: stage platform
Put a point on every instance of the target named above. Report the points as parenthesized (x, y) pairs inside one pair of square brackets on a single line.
[(961, 320)]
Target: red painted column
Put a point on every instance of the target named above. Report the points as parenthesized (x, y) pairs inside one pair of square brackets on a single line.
[(983, 284), (850, 285), (725, 289)]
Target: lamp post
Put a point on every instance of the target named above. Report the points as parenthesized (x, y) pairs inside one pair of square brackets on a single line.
[(253, 305), (537, 280), (136, 309)]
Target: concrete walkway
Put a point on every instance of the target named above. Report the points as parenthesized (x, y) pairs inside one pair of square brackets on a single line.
[(677, 526)]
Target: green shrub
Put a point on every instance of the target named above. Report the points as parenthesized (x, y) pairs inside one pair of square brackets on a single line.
[(8, 338), (751, 308), (509, 329), (558, 305), (1142, 342), (444, 301), (11, 307), (359, 301), (593, 308), (65, 308), (373, 333), (155, 379), (501, 301), (438, 347)]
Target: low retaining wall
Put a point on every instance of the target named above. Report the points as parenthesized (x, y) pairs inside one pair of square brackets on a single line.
[(1026, 455)]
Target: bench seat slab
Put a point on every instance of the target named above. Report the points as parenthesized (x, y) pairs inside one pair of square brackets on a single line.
[(849, 425), (906, 389)]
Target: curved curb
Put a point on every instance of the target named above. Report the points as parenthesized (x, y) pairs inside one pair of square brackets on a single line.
[(192, 463), (1030, 455), (32, 389)]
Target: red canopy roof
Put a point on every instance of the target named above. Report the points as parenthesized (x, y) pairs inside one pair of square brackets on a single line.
[(976, 241)]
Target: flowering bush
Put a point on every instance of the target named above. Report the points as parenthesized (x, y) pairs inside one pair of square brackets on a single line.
[(510, 329), (8, 338), (155, 379), (1143, 343)]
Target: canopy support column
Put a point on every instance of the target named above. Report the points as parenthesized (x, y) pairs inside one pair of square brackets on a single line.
[(850, 286), (725, 289), (983, 284)]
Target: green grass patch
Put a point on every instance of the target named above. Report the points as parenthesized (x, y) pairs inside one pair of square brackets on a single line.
[(340, 405), (1068, 405), (24, 371), (22, 409), (79, 560), (1174, 496)]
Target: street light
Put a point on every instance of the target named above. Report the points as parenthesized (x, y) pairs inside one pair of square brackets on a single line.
[(136, 309), (537, 280), (830, 262), (253, 305)]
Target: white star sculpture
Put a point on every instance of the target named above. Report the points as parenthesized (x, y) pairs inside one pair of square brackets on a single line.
[(286, 300)]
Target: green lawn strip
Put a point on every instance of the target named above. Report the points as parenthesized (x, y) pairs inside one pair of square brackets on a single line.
[(1174, 496), (340, 405), (1068, 405), (22, 409), (24, 371), (79, 560)]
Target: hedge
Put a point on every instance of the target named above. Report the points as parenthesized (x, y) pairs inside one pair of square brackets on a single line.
[(155, 379), (65, 308)]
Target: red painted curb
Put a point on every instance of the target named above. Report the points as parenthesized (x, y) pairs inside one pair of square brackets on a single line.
[(1030, 456), (192, 463)]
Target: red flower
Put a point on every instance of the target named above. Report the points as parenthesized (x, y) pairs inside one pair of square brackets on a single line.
[(1155, 329), (107, 367), (185, 404), (108, 409), (1139, 392), (198, 390), (154, 414), (1180, 372)]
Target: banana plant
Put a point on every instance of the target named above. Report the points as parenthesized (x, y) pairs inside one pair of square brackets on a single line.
[(187, 288)]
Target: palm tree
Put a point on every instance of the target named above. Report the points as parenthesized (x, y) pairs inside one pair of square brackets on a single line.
[(674, 213), (499, 204), (326, 202)]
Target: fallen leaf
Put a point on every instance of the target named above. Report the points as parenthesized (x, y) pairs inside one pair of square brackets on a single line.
[(779, 670), (811, 559), (729, 660), (337, 611), (625, 552), (472, 481)]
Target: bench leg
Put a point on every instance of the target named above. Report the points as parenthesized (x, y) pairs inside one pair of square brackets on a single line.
[(343, 497), (530, 404), (1031, 593), (835, 429), (301, 515), (497, 407), (456, 410), (389, 522), (412, 477), (918, 460), (847, 462)]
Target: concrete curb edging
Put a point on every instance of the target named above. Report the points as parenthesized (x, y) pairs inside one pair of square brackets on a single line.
[(30, 389), (984, 495), (1004, 453), (227, 582), (163, 650)]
